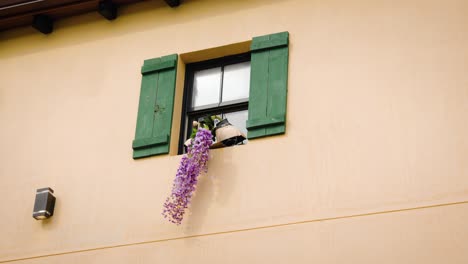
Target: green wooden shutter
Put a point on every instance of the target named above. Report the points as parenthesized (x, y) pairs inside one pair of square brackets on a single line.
[(154, 122), (268, 85)]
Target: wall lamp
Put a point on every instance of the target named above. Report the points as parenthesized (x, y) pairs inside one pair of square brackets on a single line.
[(44, 203)]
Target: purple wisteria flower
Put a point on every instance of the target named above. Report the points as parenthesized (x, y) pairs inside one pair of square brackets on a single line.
[(192, 164)]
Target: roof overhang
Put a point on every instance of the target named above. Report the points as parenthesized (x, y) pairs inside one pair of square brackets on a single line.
[(42, 13)]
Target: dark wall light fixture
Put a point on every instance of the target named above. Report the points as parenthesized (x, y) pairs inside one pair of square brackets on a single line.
[(44, 204)]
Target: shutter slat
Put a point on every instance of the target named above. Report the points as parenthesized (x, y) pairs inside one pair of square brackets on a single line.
[(268, 44), (258, 90), (157, 66), (144, 128), (257, 123), (148, 142), (277, 92)]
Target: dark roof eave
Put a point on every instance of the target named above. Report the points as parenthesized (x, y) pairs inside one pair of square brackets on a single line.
[(17, 13)]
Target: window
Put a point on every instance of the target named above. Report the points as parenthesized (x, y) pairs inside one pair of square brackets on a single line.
[(222, 87), (216, 87)]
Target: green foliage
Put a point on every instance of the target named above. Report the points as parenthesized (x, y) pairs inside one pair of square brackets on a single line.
[(207, 122)]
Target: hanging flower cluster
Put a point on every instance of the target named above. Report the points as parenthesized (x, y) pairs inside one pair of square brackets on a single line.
[(192, 164)]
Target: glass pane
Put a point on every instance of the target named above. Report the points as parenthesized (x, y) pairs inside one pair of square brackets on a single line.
[(236, 81), (238, 120), (206, 87)]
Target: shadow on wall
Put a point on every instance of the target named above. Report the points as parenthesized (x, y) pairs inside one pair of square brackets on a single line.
[(132, 19), (215, 187)]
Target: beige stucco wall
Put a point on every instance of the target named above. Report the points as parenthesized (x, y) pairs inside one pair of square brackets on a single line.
[(373, 167)]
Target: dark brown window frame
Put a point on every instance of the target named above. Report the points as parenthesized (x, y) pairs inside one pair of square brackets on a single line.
[(189, 114)]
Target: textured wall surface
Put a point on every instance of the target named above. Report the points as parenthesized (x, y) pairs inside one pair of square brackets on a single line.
[(373, 167)]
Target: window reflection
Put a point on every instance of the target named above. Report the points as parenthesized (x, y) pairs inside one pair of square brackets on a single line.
[(206, 87), (238, 119), (236, 81)]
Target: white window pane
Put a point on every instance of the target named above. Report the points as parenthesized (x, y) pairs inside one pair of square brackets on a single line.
[(238, 119), (206, 87), (236, 81)]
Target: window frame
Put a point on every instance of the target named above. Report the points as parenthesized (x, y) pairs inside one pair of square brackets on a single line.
[(228, 107)]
